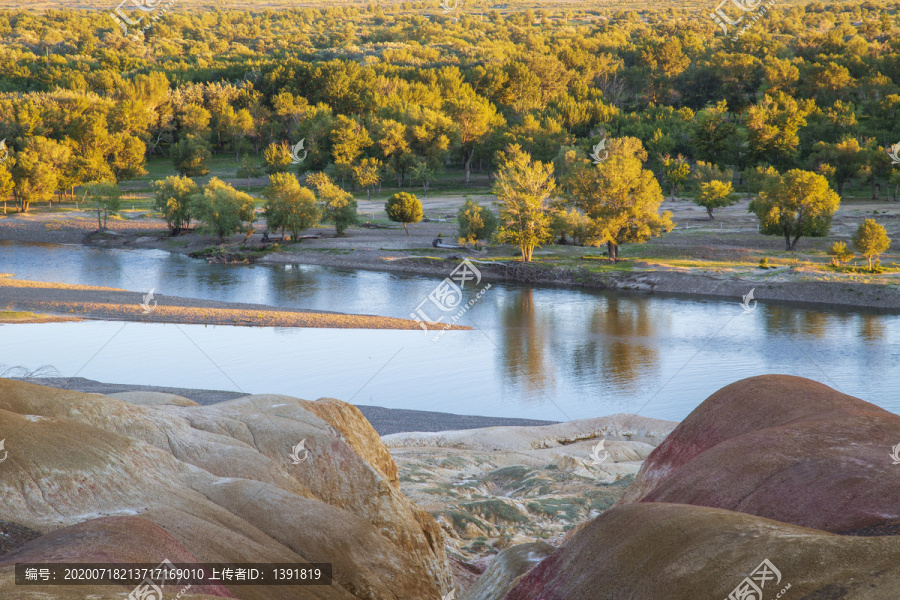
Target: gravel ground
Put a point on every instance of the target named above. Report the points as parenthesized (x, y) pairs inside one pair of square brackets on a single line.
[(732, 236)]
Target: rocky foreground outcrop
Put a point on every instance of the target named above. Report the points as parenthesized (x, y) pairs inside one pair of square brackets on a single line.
[(784, 448), (107, 480), (766, 469)]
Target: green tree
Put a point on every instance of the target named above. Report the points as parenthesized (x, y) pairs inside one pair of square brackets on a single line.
[(476, 118), (338, 206), (773, 127), (621, 197), (715, 194), (249, 168), (476, 222), (423, 172), (106, 198), (845, 159), (675, 171), (404, 208), (277, 157), (367, 174), (713, 133), (349, 138), (795, 204), (6, 181), (290, 206), (191, 156), (172, 197), (523, 188), (34, 177), (223, 209), (871, 240)]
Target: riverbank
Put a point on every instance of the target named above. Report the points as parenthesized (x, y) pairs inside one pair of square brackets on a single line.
[(386, 421), (717, 259), (38, 302)]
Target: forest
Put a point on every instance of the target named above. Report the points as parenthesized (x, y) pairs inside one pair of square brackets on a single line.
[(405, 94)]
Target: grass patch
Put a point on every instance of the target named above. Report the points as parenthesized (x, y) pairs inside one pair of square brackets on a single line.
[(496, 510)]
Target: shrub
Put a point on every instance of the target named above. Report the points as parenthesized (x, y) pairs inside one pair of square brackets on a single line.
[(404, 208), (840, 254), (476, 222)]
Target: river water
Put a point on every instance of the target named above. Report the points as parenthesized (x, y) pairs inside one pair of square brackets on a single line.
[(541, 353)]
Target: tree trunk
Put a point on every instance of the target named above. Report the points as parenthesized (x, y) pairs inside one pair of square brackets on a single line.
[(794, 243), (406, 229), (613, 250), (709, 212), (469, 164), (787, 238), (672, 194)]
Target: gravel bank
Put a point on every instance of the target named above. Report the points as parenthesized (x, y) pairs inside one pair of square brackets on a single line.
[(386, 421)]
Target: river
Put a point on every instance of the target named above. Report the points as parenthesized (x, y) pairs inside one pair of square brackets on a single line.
[(541, 353)]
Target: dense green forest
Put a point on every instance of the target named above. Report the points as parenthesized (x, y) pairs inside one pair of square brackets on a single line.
[(402, 92)]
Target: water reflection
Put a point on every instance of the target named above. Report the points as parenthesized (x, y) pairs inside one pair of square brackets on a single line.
[(536, 352), (523, 332)]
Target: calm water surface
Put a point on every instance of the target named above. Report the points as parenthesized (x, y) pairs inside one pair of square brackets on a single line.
[(538, 353)]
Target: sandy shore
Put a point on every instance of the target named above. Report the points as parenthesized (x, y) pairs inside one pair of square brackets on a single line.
[(69, 302)]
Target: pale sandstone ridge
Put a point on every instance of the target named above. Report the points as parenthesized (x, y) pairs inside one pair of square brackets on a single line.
[(220, 482), (153, 398), (496, 487)]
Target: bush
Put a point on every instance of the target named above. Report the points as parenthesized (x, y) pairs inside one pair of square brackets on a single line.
[(404, 208), (190, 156), (222, 208), (871, 240), (338, 206), (574, 224), (172, 198), (840, 254), (476, 222), (290, 206)]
